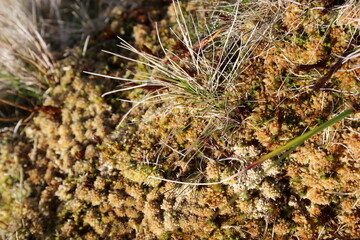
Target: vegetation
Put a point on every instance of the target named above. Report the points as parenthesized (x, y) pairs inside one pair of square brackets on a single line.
[(209, 120)]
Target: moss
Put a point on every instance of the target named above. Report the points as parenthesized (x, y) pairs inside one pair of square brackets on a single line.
[(97, 176)]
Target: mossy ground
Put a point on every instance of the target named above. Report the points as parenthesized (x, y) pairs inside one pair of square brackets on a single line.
[(78, 175)]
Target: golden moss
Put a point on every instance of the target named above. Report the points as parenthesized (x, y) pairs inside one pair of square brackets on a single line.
[(91, 180)]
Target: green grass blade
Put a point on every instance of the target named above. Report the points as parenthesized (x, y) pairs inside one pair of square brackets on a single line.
[(301, 139)]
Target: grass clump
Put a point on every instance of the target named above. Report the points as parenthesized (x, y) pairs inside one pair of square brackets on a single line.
[(27, 66)]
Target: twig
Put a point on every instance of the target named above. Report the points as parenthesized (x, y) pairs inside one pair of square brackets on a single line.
[(197, 47), (333, 69)]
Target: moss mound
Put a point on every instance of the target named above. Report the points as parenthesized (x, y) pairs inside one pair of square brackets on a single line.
[(227, 83)]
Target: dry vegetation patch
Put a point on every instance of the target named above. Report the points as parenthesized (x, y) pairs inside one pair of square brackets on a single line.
[(206, 89)]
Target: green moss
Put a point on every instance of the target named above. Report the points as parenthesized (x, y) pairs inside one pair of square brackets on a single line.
[(303, 193), (302, 39), (297, 180), (165, 236)]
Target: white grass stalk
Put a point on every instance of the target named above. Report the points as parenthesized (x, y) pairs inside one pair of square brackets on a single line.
[(22, 45)]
